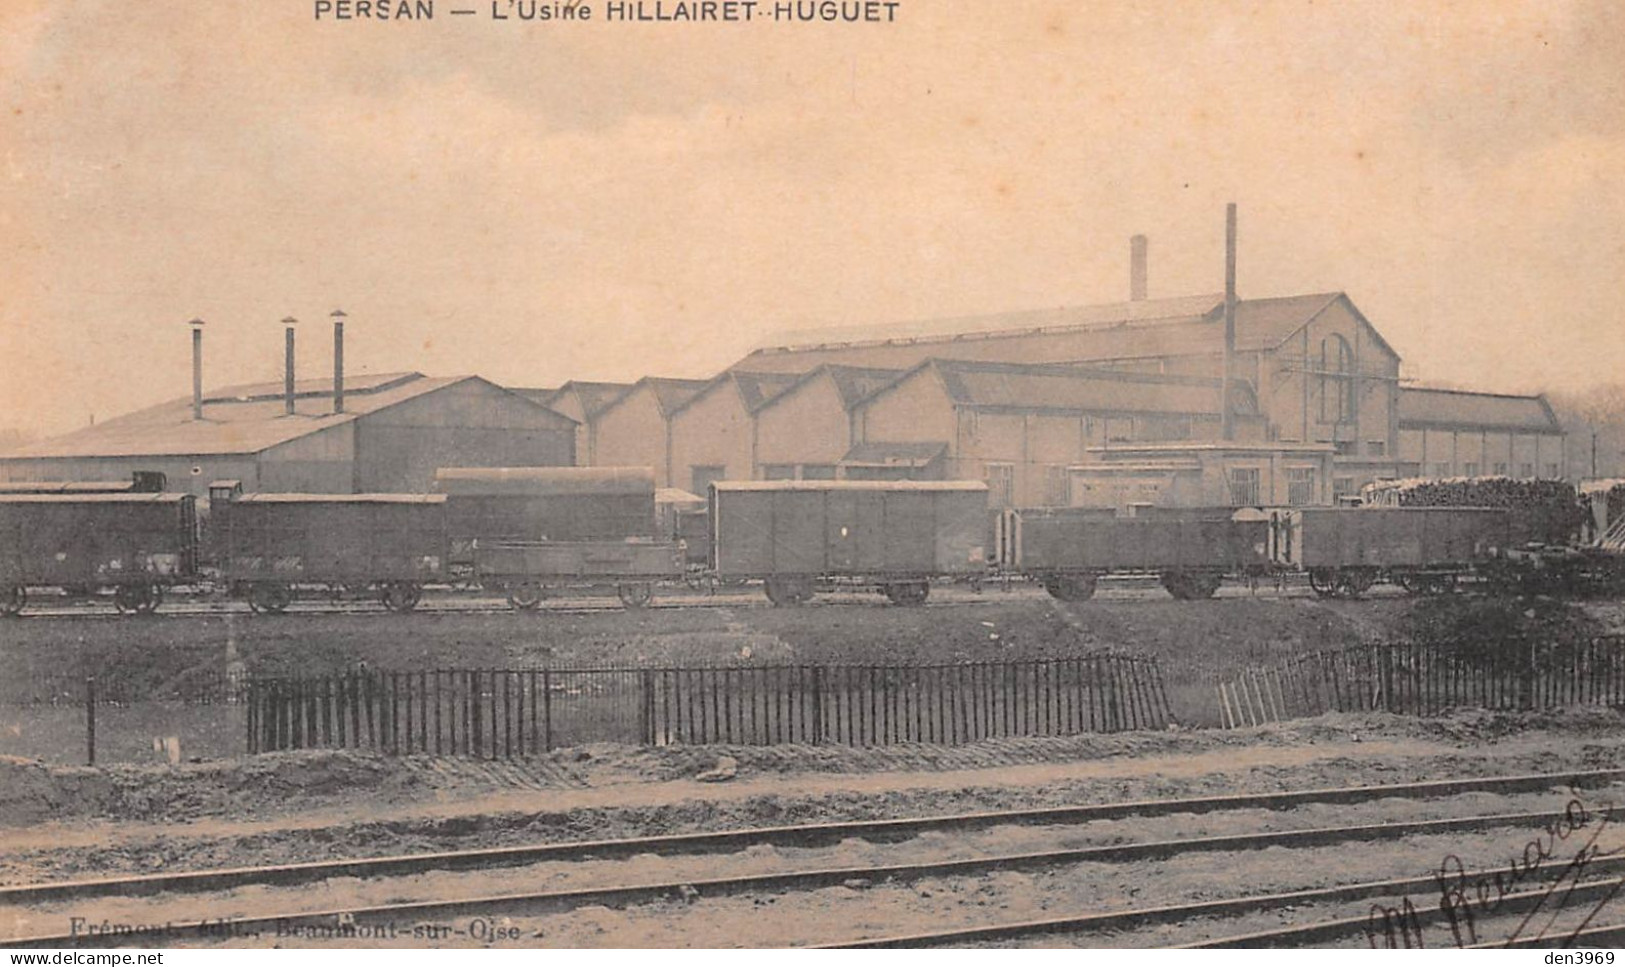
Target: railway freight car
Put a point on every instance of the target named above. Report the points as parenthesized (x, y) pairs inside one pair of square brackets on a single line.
[(1346, 550), (137, 544), (271, 548), (796, 535), (1068, 550), (525, 530)]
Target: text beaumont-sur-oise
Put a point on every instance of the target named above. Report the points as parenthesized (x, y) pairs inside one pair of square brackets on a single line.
[(624, 11)]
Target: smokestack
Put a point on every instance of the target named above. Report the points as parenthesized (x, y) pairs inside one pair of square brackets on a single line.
[(287, 375), (338, 360), (1229, 423), (1137, 268), (197, 370)]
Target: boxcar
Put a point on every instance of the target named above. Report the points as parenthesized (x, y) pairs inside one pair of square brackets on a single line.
[(526, 529), (271, 547), (1190, 550), (546, 504), (1347, 549), (135, 543), (794, 534)]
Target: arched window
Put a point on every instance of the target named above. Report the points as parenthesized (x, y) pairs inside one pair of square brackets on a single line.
[(1337, 399)]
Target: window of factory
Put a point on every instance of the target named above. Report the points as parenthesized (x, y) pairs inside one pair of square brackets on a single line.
[(1343, 487), (1337, 400), (1526, 470), (1552, 472), (818, 471), (1300, 486), (1057, 493), (778, 471), (1001, 484), (1470, 469), (1244, 486), (1346, 448), (702, 477), (1500, 470), (1443, 470), (1376, 448)]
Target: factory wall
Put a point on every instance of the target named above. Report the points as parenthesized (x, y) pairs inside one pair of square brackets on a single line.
[(808, 427), (471, 423), (712, 439), (634, 433)]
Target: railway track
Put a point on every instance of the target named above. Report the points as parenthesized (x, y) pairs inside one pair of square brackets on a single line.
[(1116, 588), (30, 902)]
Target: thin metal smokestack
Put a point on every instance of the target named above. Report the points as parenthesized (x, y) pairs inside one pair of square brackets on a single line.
[(287, 373), (1229, 318), (197, 369), (338, 360), (1137, 268)]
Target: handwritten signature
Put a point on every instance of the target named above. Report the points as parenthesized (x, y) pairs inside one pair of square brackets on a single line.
[(1467, 899)]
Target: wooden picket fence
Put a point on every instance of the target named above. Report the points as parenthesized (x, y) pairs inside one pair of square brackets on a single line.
[(498, 713), (1414, 679)]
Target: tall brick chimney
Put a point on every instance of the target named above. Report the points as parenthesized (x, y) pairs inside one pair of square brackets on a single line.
[(338, 360), (1137, 268), (197, 368), (287, 372)]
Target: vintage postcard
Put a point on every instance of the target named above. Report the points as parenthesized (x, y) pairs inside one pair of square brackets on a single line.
[(695, 474)]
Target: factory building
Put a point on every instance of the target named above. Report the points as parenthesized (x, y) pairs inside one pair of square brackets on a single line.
[(388, 434), (713, 434), (1030, 430), (581, 401), (808, 431), (1451, 433), (635, 429)]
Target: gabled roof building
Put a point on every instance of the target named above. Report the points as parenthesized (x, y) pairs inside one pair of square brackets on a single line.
[(393, 432)]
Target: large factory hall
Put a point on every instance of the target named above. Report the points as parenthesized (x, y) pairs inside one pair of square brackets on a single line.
[(1116, 405)]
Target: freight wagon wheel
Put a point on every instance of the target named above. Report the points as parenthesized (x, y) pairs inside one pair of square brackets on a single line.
[(1188, 586), (525, 597), (1355, 581), (269, 597), (12, 600), (1070, 587), (635, 595), (1324, 581), (136, 598), (400, 596), (908, 592), (789, 592)]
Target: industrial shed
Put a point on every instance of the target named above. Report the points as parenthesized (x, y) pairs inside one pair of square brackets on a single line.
[(635, 429), (1450, 433), (393, 432), (1021, 427), (582, 401)]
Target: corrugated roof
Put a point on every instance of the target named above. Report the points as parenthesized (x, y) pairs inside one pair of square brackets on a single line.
[(902, 486), (1428, 405), (1038, 386), (238, 420), (1121, 330)]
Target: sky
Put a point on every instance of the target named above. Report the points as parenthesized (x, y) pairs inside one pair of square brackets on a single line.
[(535, 202)]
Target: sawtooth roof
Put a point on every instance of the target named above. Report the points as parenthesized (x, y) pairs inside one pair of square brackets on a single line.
[(595, 396), (1420, 405), (754, 389), (241, 419)]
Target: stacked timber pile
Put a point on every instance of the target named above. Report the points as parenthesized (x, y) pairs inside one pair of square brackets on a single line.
[(1540, 511)]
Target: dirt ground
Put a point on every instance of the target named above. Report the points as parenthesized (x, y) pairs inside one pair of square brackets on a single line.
[(66, 822)]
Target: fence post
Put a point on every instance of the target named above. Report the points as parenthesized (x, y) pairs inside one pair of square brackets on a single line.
[(646, 707), (818, 704), (90, 720)]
